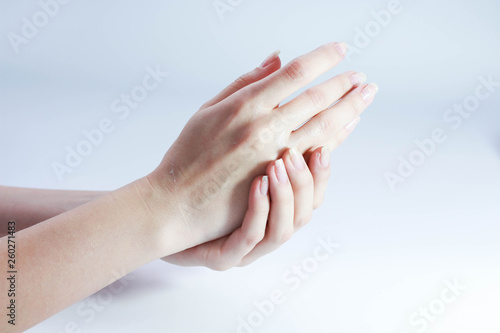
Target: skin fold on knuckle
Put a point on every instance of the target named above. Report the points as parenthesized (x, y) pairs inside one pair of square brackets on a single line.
[(285, 236), (253, 238), (327, 127), (316, 97), (278, 238), (244, 80), (296, 70)]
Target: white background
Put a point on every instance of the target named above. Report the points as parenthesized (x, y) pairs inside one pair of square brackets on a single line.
[(397, 248)]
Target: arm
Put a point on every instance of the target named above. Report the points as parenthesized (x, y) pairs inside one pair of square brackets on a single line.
[(73, 255), (198, 193), (30, 206)]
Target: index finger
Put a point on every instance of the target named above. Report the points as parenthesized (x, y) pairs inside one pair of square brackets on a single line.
[(298, 73)]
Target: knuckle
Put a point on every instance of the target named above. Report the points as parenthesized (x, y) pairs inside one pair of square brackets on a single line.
[(239, 104), (296, 69), (281, 238), (244, 80), (327, 126), (204, 105), (249, 100), (316, 97), (253, 238), (286, 236)]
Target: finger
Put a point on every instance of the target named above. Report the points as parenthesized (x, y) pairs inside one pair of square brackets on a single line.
[(199, 255), (319, 165), (297, 74), (319, 98), (302, 186), (280, 223), (332, 126), (269, 66), (252, 230)]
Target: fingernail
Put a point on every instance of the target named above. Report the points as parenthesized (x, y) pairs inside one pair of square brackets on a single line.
[(272, 58), (358, 78), (281, 171), (325, 157), (341, 47), (369, 92), (349, 127), (264, 185), (297, 159)]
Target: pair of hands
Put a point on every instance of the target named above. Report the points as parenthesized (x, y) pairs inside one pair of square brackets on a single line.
[(279, 203), (202, 183)]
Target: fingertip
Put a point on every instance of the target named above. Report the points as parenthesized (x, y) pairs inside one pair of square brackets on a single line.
[(259, 187), (319, 159), (294, 160), (341, 48), (264, 186), (258, 201), (270, 59), (255, 219), (368, 92), (324, 157)]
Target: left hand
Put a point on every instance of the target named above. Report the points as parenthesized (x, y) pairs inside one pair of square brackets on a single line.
[(272, 216)]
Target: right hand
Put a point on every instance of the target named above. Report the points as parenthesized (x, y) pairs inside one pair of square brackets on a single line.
[(268, 217), (205, 176)]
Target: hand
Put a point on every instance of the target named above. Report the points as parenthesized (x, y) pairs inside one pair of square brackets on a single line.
[(206, 173), (269, 219)]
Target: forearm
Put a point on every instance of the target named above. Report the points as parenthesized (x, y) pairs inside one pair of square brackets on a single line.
[(29, 206), (74, 254)]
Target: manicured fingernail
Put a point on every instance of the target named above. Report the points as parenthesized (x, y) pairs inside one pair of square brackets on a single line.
[(358, 78), (325, 157), (349, 127), (369, 92), (297, 159), (342, 48), (281, 171), (272, 58), (264, 185)]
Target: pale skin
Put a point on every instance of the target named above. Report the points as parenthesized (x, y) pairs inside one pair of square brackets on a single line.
[(205, 203)]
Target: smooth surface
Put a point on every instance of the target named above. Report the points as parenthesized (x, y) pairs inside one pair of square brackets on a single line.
[(396, 249)]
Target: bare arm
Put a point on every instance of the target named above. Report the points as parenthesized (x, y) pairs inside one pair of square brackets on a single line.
[(198, 193), (74, 254), (29, 206)]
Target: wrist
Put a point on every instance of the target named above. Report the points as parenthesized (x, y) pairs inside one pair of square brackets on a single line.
[(167, 229)]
